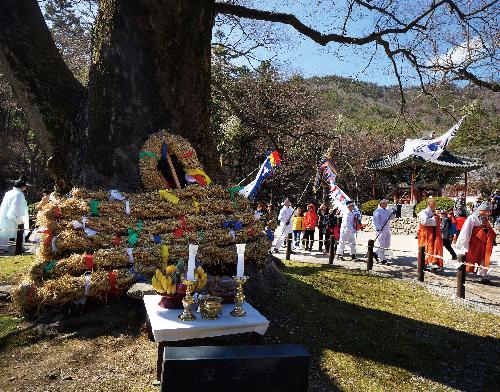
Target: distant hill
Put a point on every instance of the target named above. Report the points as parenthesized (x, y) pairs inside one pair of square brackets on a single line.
[(377, 109)]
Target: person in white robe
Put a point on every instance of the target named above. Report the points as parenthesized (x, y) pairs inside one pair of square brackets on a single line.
[(285, 226), (348, 230), (381, 221), (476, 241), (13, 212)]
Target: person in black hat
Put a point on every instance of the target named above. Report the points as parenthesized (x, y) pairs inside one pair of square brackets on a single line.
[(13, 212)]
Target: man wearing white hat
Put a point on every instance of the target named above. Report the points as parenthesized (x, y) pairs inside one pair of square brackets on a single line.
[(285, 226), (381, 222), (476, 241), (348, 230), (13, 212)]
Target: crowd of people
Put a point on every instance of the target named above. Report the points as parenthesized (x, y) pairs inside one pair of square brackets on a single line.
[(329, 221), (473, 234), (438, 230)]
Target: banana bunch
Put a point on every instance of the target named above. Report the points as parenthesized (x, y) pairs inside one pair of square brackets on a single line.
[(163, 283), (201, 277)]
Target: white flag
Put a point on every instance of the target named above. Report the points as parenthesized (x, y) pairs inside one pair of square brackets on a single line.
[(429, 149)]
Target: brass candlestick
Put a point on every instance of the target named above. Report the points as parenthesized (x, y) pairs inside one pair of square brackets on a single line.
[(239, 298), (187, 301)]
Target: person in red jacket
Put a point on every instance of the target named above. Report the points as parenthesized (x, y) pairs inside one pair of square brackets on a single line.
[(310, 222), (460, 222)]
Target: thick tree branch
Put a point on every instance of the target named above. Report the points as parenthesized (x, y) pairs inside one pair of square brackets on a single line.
[(463, 74), (322, 39), (42, 83), (419, 23)]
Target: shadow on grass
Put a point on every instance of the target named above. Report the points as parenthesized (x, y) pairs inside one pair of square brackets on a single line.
[(450, 357), (122, 316)]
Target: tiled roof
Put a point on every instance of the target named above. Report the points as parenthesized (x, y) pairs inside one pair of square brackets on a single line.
[(446, 160)]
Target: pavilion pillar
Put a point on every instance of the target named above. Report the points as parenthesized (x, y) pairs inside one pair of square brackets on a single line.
[(413, 195), (465, 185), (373, 185)]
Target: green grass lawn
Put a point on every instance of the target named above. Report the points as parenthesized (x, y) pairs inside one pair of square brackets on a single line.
[(12, 332), (365, 332), (12, 267), (370, 333)]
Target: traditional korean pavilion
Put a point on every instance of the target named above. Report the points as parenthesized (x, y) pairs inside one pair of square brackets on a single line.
[(420, 174)]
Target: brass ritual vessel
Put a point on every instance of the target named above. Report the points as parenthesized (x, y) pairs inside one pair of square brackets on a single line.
[(211, 307), (239, 298), (187, 301)]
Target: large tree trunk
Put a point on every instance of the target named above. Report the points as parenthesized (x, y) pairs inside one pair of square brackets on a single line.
[(150, 70), (44, 86)]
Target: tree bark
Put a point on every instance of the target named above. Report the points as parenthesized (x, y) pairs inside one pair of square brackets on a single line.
[(150, 70), (42, 83)]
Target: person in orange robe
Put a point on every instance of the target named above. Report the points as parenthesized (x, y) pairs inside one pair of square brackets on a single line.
[(476, 241), (429, 235)]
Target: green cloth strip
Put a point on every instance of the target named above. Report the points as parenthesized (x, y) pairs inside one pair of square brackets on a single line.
[(149, 154), (232, 191), (47, 270), (94, 207)]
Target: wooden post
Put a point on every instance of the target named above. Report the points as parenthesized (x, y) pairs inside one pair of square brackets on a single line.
[(465, 187), (461, 277), (369, 260), (289, 246), (331, 250), (174, 173), (421, 263), (19, 239)]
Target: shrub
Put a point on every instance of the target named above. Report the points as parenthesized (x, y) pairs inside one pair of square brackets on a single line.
[(443, 203), (368, 207)]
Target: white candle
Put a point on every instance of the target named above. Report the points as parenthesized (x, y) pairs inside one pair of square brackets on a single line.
[(193, 249), (240, 267)]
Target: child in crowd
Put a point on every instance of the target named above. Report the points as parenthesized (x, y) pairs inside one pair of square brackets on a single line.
[(297, 227)]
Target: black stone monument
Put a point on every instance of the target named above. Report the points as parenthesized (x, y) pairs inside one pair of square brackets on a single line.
[(269, 368)]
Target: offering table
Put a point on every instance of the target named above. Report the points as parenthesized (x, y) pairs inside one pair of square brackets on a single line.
[(166, 326)]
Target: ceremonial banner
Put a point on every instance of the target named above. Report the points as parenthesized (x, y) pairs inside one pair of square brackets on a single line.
[(429, 149), (326, 172), (265, 170)]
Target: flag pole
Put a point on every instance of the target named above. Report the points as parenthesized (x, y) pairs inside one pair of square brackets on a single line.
[(253, 171)]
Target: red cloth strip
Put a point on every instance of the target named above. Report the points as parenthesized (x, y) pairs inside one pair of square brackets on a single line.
[(112, 282), (89, 261)]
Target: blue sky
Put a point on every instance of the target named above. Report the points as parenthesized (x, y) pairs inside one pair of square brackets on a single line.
[(295, 53)]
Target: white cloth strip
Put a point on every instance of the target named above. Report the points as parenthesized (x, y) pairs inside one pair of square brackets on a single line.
[(88, 278), (115, 195)]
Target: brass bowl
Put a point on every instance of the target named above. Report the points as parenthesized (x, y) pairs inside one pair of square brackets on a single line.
[(211, 307)]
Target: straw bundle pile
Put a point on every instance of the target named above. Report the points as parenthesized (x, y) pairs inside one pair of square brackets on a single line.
[(94, 243), (134, 244)]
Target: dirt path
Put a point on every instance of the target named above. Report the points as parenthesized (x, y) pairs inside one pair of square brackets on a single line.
[(403, 265)]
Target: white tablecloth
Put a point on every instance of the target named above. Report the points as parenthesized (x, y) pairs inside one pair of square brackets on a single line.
[(167, 327)]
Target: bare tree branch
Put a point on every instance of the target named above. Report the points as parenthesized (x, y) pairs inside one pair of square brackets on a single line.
[(421, 24), (318, 37)]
